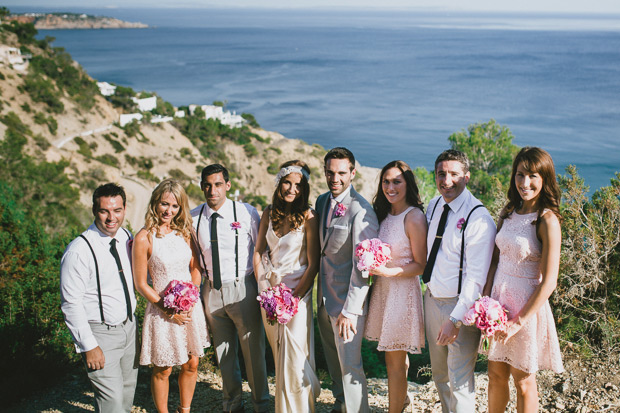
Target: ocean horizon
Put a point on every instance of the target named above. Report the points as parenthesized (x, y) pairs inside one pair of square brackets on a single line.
[(388, 85)]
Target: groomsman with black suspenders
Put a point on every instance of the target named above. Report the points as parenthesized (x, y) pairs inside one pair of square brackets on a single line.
[(461, 237), (226, 234), (98, 301)]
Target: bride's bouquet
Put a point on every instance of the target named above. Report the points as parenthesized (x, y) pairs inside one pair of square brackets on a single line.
[(181, 296), (279, 303), (489, 316), (372, 253)]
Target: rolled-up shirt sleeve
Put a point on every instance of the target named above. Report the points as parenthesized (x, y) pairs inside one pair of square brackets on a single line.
[(74, 276), (479, 244)]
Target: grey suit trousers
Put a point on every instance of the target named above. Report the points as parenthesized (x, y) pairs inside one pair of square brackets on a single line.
[(344, 361), (115, 384), (452, 365), (234, 316)]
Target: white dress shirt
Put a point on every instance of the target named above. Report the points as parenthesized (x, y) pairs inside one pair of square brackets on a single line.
[(249, 219), (78, 285), (479, 244)]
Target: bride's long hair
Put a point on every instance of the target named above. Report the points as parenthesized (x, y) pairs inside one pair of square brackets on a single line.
[(299, 206), (182, 222)]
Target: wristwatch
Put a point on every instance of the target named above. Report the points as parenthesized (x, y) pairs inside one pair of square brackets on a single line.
[(457, 323)]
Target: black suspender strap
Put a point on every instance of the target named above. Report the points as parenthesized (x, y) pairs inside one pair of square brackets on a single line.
[(204, 264), (236, 242), (463, 243), (434, 208), (98, 282)]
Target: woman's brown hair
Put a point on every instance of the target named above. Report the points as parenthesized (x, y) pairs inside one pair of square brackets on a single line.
[(380, 203), (299, 206), (539, 161)]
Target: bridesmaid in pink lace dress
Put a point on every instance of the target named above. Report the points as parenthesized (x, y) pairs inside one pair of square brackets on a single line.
[(169, 339), (523, 274), (395, 317)]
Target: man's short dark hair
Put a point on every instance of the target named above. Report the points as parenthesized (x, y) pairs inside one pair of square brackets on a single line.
[(214, 169), (453, 155), (340, 153), (108, 190)]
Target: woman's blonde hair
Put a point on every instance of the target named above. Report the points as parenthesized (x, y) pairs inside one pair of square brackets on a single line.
[(182, 222)]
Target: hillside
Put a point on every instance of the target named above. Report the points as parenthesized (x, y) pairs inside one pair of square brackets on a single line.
[(138, 156), (61, 21)]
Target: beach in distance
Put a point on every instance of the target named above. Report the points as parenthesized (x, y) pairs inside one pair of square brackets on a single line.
[(389, 85)]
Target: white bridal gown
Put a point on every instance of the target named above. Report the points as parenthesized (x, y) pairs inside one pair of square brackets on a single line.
[(297, 385)]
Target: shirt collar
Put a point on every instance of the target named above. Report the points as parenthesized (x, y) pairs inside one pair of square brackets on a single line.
[(103, 238), (343, 195), (223, 211), (458, 202)]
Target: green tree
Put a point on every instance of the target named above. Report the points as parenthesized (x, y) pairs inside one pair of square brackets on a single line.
[(491, 152)]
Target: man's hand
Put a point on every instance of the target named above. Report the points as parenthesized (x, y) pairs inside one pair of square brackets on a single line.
[(447, 334), (346, 328), (95, 360)]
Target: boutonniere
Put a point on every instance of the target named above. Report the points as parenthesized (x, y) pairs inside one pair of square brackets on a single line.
[(460, 223), (235, 225), (340, 210)]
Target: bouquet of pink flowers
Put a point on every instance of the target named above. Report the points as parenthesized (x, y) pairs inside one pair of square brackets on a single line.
[(181, 296), (372, 253), (279, 303), (489, 316)]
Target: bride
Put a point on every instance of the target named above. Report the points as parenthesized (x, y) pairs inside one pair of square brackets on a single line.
[(287, 250)]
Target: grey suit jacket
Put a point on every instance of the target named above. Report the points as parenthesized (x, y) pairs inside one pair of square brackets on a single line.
[(341, 284)]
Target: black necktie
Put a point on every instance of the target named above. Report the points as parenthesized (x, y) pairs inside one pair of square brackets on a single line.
[(428, 270), (215, 253), (120, 273)]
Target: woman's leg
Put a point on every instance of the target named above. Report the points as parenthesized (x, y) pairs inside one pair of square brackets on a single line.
[(527, 391), (160, 387), (397, 364), (499, 391), (187, 382)]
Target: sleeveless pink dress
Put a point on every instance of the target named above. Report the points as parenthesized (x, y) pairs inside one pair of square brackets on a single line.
[(165, 343), (518, 274), (395, 316)]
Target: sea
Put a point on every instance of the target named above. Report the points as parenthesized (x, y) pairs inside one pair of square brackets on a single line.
[(386, 84)]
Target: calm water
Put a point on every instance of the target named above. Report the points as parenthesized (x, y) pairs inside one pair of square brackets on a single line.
[(388, 86)]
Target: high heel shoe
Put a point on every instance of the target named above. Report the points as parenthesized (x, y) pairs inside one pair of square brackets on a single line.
[(408, 404)]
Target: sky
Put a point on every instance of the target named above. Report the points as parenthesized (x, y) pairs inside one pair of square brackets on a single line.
[(545, 6)]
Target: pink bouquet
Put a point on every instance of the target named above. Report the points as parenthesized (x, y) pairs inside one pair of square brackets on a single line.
[(181, 296), (372, 253), (489, 316), (279, 303)]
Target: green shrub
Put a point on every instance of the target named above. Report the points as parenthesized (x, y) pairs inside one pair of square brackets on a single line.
[(275, 149), (43, 90), (194, 192), (251, 120), (118, 147), (273, 168), (108, 160), (250, 150)]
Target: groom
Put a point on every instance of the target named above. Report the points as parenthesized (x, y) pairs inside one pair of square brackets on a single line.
[(347, 219)]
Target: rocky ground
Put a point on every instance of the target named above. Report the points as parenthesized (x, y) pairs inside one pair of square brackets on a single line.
[(587, 386)]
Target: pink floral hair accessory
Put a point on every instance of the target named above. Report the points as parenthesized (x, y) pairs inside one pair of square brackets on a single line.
[(235, 225), (460, 223), (340, 210)]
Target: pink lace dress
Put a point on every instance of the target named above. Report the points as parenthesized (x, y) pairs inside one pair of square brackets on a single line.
[(165, 343), (536, 345), (395, 316)]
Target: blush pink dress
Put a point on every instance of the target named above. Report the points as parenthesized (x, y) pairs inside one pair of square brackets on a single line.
[(535, 346), (164, 342), (395, 315)]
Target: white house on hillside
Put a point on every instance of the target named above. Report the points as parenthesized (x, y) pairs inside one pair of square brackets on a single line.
[(146, 104), (106, 89), (13, 56), (129, 117), (217, 112)]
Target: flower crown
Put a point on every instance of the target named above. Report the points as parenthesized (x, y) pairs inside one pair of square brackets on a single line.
[(289, 170)]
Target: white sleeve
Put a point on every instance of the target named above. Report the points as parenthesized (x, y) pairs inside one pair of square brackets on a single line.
[(74, 274)]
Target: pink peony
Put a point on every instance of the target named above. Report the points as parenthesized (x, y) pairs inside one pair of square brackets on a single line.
[(470, 317), (180, 295)]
